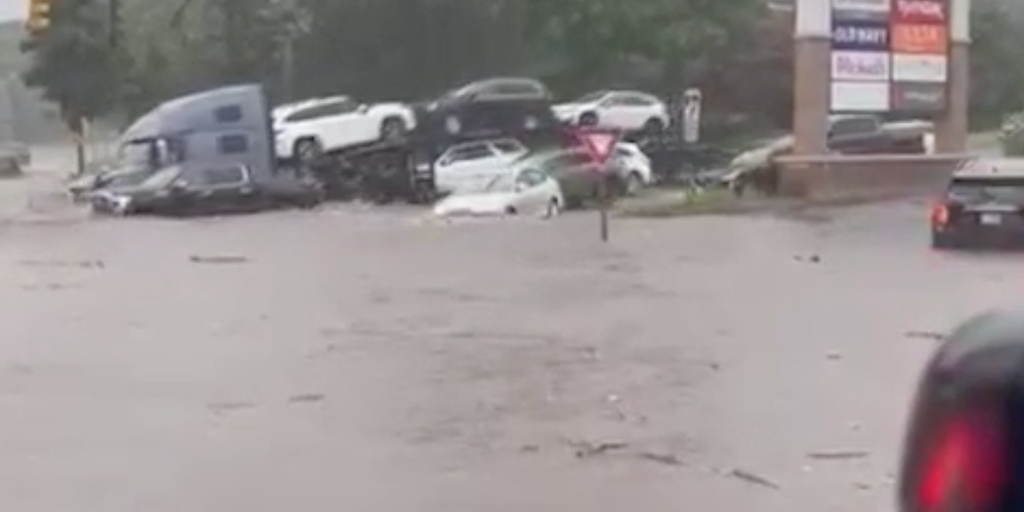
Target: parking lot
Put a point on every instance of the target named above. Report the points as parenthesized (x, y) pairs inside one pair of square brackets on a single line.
[(356, 358)]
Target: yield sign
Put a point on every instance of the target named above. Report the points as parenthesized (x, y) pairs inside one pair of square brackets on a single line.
[(599, 145)]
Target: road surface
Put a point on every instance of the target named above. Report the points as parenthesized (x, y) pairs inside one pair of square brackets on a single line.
[(357, 360)]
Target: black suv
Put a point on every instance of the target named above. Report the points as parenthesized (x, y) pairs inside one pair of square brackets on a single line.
[(493, 108)]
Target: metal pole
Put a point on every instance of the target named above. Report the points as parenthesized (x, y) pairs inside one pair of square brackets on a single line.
[(602, 193)]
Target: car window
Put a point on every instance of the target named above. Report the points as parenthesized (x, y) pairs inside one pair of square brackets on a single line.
[(467, 153), (222, 176), (228, 114), (530, 177), (514, 89), (972, 190), (331, 108), (509, 146), (636, 100), (232, 144), (162, 178), (853, 126), (592, 97)]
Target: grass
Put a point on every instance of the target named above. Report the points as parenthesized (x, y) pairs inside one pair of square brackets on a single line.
[(675, 203)]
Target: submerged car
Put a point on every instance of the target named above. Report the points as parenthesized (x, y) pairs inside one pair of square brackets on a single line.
[(523, 191), (229, 189)]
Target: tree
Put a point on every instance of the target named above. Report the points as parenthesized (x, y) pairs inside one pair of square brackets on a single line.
[(73, 62)]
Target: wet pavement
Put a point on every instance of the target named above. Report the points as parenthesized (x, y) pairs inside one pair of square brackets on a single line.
[(355, 359)]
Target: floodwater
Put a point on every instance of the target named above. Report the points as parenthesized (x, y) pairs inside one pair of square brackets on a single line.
[(355, 359)]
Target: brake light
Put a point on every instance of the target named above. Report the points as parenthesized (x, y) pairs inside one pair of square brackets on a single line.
[(940, 214), (963, 467)]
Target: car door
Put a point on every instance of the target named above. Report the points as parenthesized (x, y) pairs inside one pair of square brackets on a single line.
[(465, 167), (634, 111), (531, 197), (340, 125), (857, 135), (224, 189)]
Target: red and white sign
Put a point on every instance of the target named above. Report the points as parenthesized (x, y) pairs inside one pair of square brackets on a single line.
[(599, 144), (920, 11)]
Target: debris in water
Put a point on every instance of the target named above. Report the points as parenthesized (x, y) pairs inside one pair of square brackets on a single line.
[(925, 335), (663, 458), (585, 449), (217, 259), (306, 398), (752, 478), (838, 455)]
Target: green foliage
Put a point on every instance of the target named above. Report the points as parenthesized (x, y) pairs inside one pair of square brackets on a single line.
[(997, 78), (73, 62)]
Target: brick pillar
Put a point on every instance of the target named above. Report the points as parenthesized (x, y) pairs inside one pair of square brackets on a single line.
[(811, 73), (952, 126)]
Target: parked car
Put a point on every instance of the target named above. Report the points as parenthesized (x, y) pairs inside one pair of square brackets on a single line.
[(469, 165), (226, 189), (512, 107), (628, 111), (633, 166), (309, 129), (526, 190)]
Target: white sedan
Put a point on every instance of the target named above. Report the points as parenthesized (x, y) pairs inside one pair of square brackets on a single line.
[(629, 111), (308, 129), (524, 191), (472, 165)]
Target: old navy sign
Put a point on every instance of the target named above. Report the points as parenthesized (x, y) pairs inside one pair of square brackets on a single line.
[(860, 35)]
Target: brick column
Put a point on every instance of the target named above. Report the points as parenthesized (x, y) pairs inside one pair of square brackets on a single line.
[(811, 73), (952, 126)]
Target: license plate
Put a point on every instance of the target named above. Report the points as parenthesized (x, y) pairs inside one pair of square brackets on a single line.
[(991, 219)]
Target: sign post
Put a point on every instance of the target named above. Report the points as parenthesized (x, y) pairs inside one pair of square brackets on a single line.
[(600, 145), (692, 100)]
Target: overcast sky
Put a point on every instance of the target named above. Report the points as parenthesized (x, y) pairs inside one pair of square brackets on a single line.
[(13, 9)]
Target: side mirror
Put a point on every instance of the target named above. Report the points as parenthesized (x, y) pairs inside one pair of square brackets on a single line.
[(363, 108), (179, 185)]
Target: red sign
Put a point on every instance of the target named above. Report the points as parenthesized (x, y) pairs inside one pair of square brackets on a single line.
[(920, 11), (600, 145), (933, 39)]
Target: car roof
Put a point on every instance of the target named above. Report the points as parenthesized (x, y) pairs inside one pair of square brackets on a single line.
[(991, 168)]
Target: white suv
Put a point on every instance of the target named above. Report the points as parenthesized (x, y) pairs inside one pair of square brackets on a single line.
[(305, 130), (629, 111)]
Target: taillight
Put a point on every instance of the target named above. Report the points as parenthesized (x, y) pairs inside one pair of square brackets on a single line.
[(963, 466), (940, 214)]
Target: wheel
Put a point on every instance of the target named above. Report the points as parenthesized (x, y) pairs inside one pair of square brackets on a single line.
[(654, 127), (392, 129), (553, 209), (634, 183), (511, 210), (589, 119), (308, 150)]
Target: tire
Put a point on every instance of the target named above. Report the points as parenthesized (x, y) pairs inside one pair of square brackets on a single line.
[(393, 129), (308, 150), (554, 208), (634, 184), (654, 127), (511, 210), (589, 119)]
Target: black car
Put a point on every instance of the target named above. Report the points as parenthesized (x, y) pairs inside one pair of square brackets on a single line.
[(964, 444), (983, 205), (228, 189), (494, 108)]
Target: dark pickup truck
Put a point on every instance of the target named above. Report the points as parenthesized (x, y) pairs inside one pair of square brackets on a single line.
[(870, 135)]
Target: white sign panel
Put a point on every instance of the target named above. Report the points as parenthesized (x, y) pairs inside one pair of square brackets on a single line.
[(908, 67), (875, 6), (860, 97), (860, 66)]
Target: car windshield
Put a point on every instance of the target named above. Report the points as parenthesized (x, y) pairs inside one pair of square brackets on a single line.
[(591, 97), (135, 154), (162, 178)]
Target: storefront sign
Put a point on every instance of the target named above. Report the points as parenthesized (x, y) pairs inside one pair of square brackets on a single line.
[(919, 68), (920, 11), (860, 35), (919, 97), (860, 97), (918, 38), (860, 66), (861, 9)]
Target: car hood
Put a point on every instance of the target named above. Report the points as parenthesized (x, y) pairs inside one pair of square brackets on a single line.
[(475, 204)]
